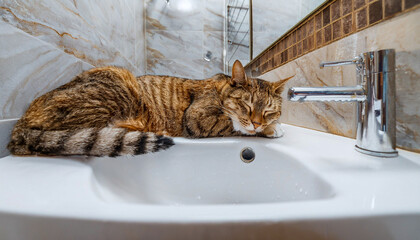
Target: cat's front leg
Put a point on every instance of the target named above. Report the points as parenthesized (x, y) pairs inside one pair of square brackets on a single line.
[(208, 125), (204, 118), (273, 131)]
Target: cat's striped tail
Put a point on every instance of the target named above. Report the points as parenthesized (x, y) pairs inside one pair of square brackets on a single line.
[(109, 141)]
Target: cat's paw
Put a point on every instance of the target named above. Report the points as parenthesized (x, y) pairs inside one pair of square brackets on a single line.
[(275, 132)]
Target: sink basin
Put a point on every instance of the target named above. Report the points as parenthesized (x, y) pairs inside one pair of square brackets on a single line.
[(305, 185), (208, 172)]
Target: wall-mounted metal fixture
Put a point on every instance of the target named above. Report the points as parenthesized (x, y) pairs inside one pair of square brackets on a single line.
[(208, 56), (375, 94)]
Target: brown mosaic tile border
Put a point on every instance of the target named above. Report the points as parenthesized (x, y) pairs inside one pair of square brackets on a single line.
[(332, 21)]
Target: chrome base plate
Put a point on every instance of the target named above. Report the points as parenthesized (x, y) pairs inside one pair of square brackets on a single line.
[(377, 154)]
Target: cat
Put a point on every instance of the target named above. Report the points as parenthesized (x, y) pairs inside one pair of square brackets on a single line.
[(108, 112)]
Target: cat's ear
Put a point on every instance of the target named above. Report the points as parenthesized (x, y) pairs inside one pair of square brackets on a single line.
[(279, 85), (238, 74)]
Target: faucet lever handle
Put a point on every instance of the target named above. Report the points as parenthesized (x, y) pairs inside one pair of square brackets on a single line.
[(356, 60)]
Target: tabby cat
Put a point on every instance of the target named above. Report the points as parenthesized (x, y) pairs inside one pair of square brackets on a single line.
[(109, 112)]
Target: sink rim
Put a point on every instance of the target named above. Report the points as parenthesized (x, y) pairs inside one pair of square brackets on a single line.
[(77, 201)]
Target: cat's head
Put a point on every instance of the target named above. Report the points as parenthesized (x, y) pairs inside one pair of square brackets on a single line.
[(252, 103)]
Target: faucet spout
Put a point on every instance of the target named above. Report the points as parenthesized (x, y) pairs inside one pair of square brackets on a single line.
[(375, 94), (322, 94), (356, 60)]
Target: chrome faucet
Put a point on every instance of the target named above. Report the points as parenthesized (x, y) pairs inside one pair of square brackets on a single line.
[(375, 94)]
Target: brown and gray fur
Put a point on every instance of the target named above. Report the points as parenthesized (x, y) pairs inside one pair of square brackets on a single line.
[(109, 112)]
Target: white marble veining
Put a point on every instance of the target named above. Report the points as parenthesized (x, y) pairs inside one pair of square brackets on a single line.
[(273, 18), (174, 44), (400, 33), (186, 68), (174, 15), (213, 42), (214, 15), (85, 34), (46, 43), (180, 33), (307, 6), (98, 32), (140, 51), (262, 40), (274, 15), (29, 68), (269, 23)]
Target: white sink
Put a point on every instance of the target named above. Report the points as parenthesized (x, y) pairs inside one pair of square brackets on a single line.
[(305, 185), (209, 171)]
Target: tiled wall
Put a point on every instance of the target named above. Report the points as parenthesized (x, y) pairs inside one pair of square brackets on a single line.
[(46, 43), (266, 28), (333, 21), (401, 33), (266, 21), (179, 34)]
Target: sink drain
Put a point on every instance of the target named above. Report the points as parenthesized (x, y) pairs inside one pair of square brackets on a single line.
[(247, 155)]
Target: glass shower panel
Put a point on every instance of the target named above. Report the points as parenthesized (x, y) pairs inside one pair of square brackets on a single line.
[(238, 33)]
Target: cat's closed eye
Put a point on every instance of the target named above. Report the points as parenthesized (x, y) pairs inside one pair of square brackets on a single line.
[(270, 114), (247, 107)]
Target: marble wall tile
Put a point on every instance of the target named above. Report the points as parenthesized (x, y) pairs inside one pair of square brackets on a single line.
[(29, 68), (175, 53), (98, 32), (46, 43), (174, 44), (273, 18), (179, 35), (212, 68), (307, 6), (273, 15), (140, 44), (400, 33), (262, 40), (212, 42), (174, 15), (214, 15), (269, 23), (186, 68)]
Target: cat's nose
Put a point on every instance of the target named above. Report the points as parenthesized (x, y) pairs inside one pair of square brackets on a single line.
[(256, 124)]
